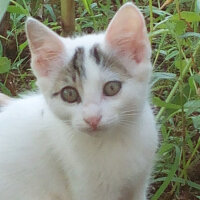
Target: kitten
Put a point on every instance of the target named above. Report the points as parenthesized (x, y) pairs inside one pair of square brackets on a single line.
[(4, 99), (90, 134)]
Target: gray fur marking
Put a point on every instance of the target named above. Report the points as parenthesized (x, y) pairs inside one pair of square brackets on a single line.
[(108, 61), (96, 54), (75, 71), (72, 74), (111, 62), (78, 61)]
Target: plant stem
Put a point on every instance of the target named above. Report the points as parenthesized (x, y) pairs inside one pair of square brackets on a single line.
[(151, 19), (68, 16), (187, 164), (185, 70)]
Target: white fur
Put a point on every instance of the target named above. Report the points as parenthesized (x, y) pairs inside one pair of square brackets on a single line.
[(4, 99), (43, 157)]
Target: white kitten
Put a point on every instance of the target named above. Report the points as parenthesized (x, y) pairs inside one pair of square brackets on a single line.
[(90, 134), (4, 99)]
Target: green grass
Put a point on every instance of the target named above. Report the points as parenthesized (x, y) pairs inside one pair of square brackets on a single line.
[(174, 34)]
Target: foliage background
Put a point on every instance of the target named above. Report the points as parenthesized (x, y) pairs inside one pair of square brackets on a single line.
[(174, 32)]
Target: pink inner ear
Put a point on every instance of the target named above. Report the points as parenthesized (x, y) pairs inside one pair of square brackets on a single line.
[(47, 55), (133, 47), (127, 33), (45, 60), (46, 47)]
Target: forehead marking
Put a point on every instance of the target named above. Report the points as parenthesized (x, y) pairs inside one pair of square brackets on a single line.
[(96, 53), (108, 61), (78, 61)]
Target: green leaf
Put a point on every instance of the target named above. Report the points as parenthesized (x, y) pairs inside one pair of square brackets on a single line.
[(51, 12), (157, 76), (5, 65), (191, 106), (192, 84), (180, 27), (196, 121), (158, 32), (170, 175), (180, 64), (197, 78), (172, 54), (190, 34), (17, 64), (197, 6), (3, 7), (188, 16), (5, 90), (165, 148), (17, 9), (193, 185), (23, 45), (158, 102), (87, 4)]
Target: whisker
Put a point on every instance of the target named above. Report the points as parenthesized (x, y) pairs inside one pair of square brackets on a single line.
[(127, 121), (126, 114)]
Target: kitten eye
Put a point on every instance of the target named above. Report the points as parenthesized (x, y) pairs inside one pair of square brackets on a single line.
[(111, 88), (70, 94)]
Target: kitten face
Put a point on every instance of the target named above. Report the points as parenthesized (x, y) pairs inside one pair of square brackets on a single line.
[(89, 72), (94, 83)]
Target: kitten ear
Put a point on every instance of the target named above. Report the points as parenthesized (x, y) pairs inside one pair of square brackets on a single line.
[(46, 47), (127, 33)]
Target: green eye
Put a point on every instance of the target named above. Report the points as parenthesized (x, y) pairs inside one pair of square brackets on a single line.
[(111, 88), (70, 94)]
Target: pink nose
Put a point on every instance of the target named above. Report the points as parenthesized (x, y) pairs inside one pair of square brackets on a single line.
[(93, 121)]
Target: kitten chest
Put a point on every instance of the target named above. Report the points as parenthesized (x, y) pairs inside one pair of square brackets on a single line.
[(107, 172)]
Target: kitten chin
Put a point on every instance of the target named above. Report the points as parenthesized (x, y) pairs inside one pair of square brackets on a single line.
[(91, 132)]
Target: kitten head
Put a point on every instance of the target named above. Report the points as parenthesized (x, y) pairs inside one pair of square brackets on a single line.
[(94, 83)]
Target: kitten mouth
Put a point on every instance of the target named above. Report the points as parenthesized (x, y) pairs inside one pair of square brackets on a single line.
[(92, 131), (97, 129)]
